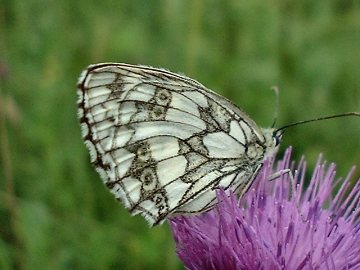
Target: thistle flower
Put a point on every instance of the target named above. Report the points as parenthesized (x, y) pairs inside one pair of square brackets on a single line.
[(279, 224)]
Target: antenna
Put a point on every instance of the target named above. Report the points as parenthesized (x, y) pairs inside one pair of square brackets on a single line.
[(276, 112), (282, 129)]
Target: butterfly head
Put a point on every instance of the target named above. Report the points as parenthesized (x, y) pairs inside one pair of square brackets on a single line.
[(272, 141)]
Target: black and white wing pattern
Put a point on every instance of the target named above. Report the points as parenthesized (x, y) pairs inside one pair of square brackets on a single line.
[(163, 143)]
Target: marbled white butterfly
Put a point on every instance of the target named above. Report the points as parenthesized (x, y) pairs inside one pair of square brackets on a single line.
[(163, 143)]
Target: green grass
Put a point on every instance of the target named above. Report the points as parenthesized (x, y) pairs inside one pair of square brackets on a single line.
[(54, 211)]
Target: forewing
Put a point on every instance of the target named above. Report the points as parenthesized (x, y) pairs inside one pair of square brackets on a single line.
[(162, 142)]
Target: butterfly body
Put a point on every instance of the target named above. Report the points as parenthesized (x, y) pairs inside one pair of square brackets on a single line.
[(163, 143)]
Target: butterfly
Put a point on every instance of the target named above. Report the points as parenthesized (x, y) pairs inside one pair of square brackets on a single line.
[(164, 143)]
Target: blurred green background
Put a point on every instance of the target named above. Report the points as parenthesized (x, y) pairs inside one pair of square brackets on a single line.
[(55, 212)]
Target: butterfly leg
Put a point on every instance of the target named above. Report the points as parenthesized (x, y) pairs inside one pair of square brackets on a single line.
[(280, 174)]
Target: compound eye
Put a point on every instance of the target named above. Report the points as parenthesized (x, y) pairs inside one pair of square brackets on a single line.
[(277, 140), (277, 136)]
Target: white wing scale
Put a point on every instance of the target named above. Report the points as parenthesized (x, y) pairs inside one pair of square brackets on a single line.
[(162, 142)]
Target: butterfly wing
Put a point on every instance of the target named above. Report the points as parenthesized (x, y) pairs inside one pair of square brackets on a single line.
[(162, 142)]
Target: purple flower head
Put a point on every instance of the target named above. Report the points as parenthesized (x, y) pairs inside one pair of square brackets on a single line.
[(279, 224)]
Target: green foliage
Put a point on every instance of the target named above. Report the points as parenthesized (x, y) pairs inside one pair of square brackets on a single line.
[(58, 215)]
